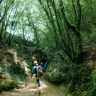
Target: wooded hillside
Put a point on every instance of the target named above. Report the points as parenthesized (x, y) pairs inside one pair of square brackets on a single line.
[(61, 32)]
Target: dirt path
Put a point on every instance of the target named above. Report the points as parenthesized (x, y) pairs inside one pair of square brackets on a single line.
[(31, 89)]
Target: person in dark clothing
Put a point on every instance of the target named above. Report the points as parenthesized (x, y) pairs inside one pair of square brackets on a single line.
[(45, 66), (33, 59)]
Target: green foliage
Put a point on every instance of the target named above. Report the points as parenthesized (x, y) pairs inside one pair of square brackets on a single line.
[(92, 90), (64, 88), (16, 68), (81, 81), (56, 28), (1, 86), (76, 76), (94, 76), (19, 78), (30, 66)]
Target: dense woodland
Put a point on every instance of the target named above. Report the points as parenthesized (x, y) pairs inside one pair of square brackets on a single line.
[(61, 32)]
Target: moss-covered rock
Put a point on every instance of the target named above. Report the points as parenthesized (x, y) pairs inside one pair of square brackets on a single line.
[(54, 77), (1, 86), (8, 84)]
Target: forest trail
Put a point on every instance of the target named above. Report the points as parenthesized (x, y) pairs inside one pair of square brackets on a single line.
[(31, 89)]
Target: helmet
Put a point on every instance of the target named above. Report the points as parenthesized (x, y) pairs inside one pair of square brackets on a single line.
[(35, 62)]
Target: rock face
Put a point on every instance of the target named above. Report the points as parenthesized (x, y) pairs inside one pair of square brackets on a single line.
[(54, 77), (11, 64)]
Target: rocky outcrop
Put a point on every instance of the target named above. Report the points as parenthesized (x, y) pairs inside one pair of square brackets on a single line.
[(55, 77), (11, 64)]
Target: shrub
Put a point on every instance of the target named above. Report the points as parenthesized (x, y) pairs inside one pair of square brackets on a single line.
[(1, 86), (16, 68), (82, 79)]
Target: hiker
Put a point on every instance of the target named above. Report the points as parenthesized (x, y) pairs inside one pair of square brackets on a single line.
[(45, 66), (32, 60), (35, 72)]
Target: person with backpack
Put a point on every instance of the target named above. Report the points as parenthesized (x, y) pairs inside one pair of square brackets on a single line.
[(37, 71)]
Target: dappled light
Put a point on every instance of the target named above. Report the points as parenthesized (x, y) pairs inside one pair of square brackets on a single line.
[(31, 89), (51, 40)]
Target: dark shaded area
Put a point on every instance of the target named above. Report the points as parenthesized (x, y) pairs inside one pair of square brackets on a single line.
[(40, 55), (44, 60), (94, 93)]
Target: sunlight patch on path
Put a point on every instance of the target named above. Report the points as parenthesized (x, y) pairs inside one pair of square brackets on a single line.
[(31, 89)]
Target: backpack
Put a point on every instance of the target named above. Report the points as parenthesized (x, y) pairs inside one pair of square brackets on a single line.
[(39, 71)]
